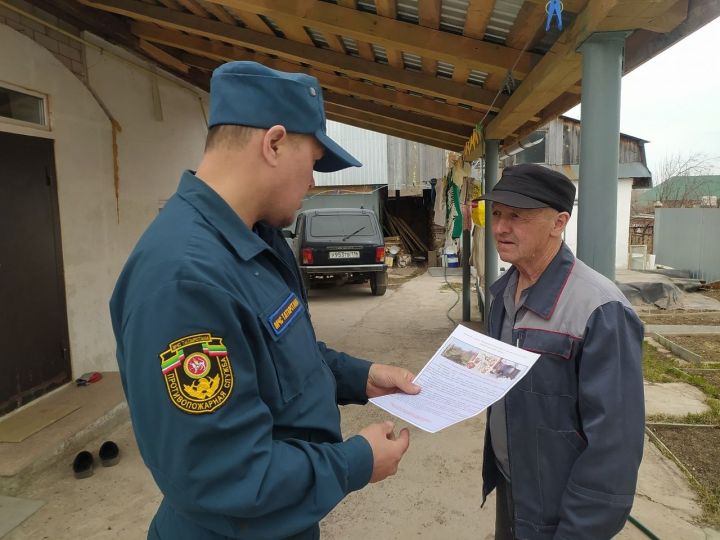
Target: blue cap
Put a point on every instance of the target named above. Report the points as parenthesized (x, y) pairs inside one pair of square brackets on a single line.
[(250, 94)]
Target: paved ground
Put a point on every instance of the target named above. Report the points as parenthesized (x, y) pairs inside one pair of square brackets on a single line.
[(437, 491)]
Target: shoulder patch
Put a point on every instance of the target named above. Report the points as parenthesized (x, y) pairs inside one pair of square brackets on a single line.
[(281, 318), (197, 373)]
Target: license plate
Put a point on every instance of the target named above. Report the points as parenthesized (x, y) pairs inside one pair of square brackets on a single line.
[(344, 254)]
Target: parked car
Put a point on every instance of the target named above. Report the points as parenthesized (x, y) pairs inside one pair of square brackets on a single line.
[(341, 244)]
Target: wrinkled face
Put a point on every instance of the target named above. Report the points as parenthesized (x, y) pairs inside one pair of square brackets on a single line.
[(294, 177), (522, 234)]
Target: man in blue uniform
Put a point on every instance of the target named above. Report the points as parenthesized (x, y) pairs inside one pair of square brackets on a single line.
[(564, 446), (232, 398)]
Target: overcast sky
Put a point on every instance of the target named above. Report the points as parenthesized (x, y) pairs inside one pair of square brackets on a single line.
[(673, 100)]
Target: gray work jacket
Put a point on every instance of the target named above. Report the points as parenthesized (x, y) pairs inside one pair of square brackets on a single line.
[(575, 422)]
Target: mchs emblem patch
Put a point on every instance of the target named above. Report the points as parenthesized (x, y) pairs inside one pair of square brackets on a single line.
[(197, 372)]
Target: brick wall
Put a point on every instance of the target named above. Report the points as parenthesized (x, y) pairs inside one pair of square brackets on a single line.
[(69, 51)]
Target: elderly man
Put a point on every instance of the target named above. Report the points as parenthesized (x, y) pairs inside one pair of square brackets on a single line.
[(233, 400), (564, 446)]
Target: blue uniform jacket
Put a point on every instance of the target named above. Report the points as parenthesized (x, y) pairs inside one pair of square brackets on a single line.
[(575, 422), (232, 399)]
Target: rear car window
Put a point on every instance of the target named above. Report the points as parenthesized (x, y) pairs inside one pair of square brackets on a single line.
[(323, 226)]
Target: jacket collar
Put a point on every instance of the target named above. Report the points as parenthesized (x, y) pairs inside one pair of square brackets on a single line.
[(220, 215), (544, 295)]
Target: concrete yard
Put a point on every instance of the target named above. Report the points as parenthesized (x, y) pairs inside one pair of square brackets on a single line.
[(436, 493)]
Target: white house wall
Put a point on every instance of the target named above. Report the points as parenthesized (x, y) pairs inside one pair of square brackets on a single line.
[(623, 223), (152, 155)]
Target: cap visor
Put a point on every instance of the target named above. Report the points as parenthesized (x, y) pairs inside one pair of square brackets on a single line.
[(336, 158), (510, 198)]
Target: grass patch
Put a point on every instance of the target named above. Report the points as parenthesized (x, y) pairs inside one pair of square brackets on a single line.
[(661, 368)]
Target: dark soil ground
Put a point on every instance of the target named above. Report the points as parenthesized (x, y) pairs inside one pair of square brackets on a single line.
[(697, 448), (681, 317), (706, 345)]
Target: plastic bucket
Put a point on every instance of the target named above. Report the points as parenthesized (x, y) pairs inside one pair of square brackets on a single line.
[(452, 260)]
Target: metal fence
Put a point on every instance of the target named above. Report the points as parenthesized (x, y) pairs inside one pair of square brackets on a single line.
[(687, 239)]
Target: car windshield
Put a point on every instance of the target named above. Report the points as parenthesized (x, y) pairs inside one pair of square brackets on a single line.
[(331, 225)]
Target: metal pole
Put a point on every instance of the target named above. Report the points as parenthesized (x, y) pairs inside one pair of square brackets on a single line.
[(465, 274), (491, 257), (599, 150)]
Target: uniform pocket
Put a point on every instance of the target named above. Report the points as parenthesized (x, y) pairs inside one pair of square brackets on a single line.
[(554, 372), (291, 343), (556, 454)]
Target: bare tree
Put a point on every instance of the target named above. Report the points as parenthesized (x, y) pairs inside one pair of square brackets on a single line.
[(688, 190)]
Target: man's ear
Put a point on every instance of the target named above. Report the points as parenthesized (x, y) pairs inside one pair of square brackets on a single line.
[(561, 221), (271, 142)]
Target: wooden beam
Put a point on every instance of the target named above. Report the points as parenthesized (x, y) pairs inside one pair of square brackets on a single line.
[(477, 17), (528, 28), (561, 105), (372, 28), (251, 21), (559, 69), (219, 13), (393, 131), (163, 57), (339, 84), (193, 7), (390, 122), (643, 45), (365, 50), (429, 17), (388, 8), (411, 119), (297, 52), (657, 16), (573, 6)]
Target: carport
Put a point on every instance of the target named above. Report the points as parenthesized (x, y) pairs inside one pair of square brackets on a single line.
[(472, 76)]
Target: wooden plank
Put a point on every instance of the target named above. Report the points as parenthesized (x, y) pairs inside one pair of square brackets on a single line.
[(528, 28), (193, 7), (335, 43), (296, 32), (339, 84), (388, 8), (429, 17), (407, 37), (365, 50), (409, 118), (572, 6), (163, 57), (392, 123), (557, 71), (643, 45), (477, 17), (251, 21), (297, 52), (219, 13), (387, 130)]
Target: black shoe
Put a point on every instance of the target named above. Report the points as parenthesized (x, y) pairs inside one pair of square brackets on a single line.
[(83, 464), (109, 454)]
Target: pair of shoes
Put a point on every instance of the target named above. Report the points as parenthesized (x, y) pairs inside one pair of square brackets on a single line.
[(84, 463)]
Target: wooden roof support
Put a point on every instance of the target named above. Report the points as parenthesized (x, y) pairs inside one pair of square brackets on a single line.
[(560, 68), (477, 18), (391, 123), (429, 17), (163, 57), (412, 119), (319, 58), (336, 83), (393, 131), (412, 38), (388, 8)]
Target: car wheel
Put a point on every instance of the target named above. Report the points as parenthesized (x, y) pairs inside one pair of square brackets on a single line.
[(378, 283)]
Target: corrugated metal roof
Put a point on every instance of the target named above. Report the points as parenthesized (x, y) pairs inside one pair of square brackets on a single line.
[(452, 15), (502, 19), (317, 37), (412, 61), (444, 69), (407, 10), (380, 53), (350, 45)]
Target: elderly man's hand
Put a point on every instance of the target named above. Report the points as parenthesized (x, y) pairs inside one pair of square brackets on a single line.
[(384, 379)]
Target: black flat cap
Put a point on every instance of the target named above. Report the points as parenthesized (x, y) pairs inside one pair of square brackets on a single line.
[(533, 186)]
